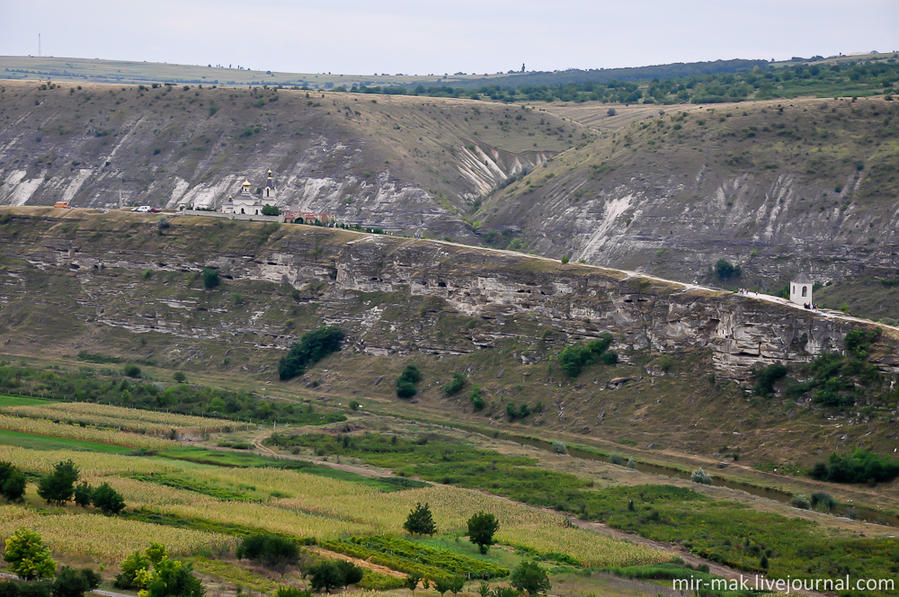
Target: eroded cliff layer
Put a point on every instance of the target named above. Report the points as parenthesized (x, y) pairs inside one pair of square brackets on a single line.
[(365, 282)]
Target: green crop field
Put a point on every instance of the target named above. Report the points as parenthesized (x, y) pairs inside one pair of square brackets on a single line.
[(43, 442), (6, 400)]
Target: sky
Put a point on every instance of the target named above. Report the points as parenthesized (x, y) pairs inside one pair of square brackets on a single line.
[(438, 36)]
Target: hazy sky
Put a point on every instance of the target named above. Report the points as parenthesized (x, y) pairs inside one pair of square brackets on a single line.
[(437, 36)]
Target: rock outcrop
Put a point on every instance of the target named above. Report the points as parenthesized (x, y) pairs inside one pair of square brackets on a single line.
[(341, 273)]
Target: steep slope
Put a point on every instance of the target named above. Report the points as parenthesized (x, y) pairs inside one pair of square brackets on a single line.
[(777, 187), (395, 162), (119, 283)]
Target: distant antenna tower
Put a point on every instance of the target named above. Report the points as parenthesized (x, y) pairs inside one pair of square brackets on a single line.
[(39, 45)]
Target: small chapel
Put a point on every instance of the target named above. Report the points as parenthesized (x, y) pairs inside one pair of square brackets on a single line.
[(801, 290), (247, 203)]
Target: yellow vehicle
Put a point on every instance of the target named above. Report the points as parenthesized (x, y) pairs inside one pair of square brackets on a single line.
[(61, 204)]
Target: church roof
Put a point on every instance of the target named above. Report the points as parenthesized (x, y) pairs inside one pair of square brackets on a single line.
[(802, 279), (246, 183)]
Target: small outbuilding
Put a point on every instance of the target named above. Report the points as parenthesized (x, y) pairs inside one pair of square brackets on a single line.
[(801, 291)]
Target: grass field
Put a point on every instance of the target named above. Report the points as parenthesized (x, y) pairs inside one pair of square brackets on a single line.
[(7, 401)]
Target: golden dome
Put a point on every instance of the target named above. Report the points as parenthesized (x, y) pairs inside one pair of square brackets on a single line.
[(246, 183), (269, 172)]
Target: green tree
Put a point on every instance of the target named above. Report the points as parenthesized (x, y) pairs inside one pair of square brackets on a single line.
[(74, 583), (84, 494), (350, 572), (325, 576), (58, 486), (453, 584), (270, 210), (179, 376), (420, 520), (134, 572), (12, 482), (107, 499), (13, 488), (173, 578), (481, 528), (28, 556), (411, 581), (405, 389), (156, 553), (405, 383), (530, 577)]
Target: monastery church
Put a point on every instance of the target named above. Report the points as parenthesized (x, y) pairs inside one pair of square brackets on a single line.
[(246, 203)]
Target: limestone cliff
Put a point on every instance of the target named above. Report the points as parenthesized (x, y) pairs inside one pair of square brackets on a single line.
[(338, 272)]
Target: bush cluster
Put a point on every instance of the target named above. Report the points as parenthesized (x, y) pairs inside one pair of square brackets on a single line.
[(405, 383), (700, 476), (272, 551), (725, 270), (328, 575), (839, 380), (455, 385), (574, 358), (517, 412), (59, 487), (157, 575), (476, 397), (210, 278), (861, 466), (109, 387), (766, 377), (312, 347)]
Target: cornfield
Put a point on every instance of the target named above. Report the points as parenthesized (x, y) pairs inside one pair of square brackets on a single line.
[(61, 430), (89, 463), (109, 538), (124, 419), (293, 502)]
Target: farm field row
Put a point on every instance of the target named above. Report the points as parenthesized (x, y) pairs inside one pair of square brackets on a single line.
[(123, 419), (204, 507), (216, 496)]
